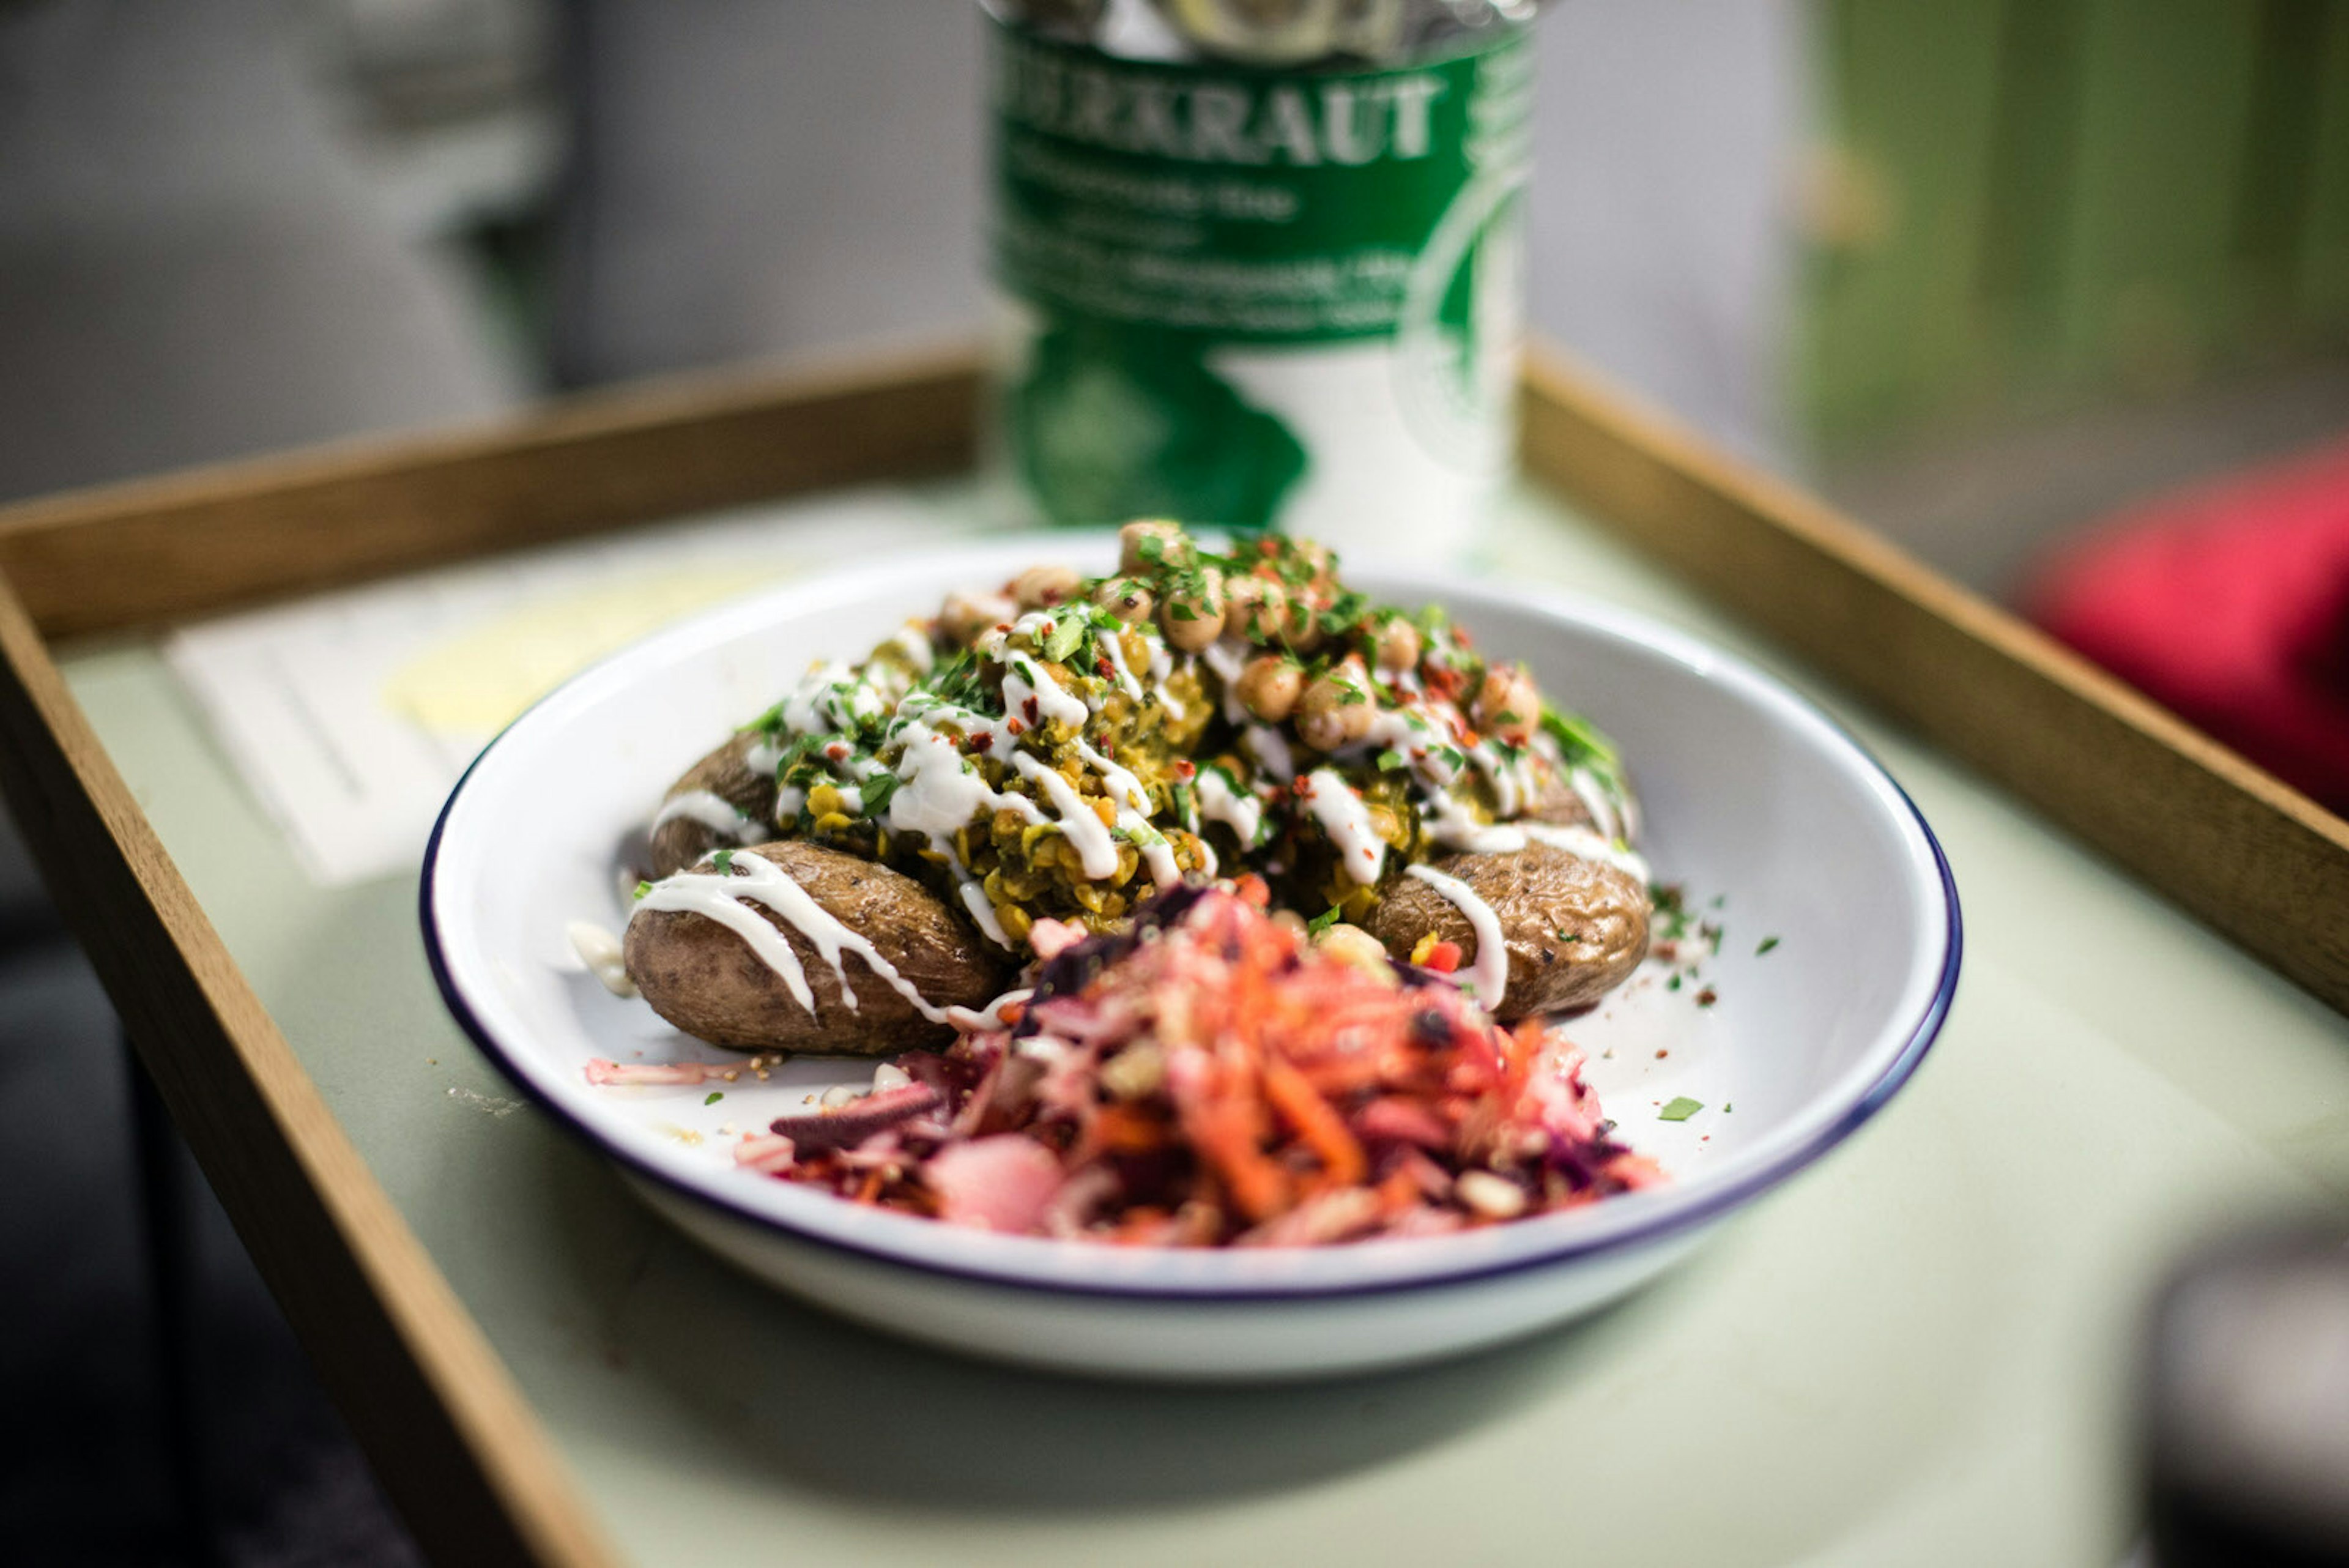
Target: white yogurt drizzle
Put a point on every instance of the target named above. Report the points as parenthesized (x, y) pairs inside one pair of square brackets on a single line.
[(599, 950), (1583, 841), (1237, 809), (713, 812), (1226, 657), (1113, 648), (1614, 815), (727, 899), (1096, 851), (1134, 817), (1487, 978), (1162, 665), (1271, 749), (1452, 825), (1339, 808), (1024, 680)]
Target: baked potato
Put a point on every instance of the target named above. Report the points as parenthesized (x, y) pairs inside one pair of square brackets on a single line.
[(682, 839), (707, 981), (1574, 928)]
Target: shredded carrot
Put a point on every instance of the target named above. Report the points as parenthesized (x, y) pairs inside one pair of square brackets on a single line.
[(1324, 1131), (1225, 1081)]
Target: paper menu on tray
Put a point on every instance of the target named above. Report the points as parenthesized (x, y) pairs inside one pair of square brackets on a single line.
[(352, 715)]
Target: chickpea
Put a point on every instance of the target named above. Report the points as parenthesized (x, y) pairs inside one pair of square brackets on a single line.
[(1270, 686), (1336, 710), (1303, 632), (1324, 565), (1259, 608), (1126, 598), (1352, 945), (1145, 545), (1398, 646), (1508, 703), (1193, 613), (1039, 586), (967, 614)]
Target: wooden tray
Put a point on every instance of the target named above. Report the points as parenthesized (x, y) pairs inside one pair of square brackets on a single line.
[(450, 1434)]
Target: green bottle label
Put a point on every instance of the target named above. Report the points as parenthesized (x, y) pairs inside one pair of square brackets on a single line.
[(1248, 297)]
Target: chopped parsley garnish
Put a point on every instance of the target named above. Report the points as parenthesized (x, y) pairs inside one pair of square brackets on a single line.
[(1672, 910), (1325, 919), (1390, 760), (1578, 743), (643, 888), (723, 862), (1767, 943), (1680, 1110), (713, 1098), (1353, 697), (1068, 631), (875, 794), (1345, 612)]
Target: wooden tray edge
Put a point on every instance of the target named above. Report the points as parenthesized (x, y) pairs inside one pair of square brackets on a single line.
[(451, 1436), (2230, 843), (182, 544)]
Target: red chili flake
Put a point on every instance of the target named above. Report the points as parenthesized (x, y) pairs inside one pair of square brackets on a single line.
[(1032, 711), (1109, 748), (837, 752), (1661, 1054), (1014, 725), (1707, 997), (1103, 667), (980, 741), (1186, 769), (1460, 635)]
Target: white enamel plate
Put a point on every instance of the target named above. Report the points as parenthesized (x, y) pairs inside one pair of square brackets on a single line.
[(1837, 962)]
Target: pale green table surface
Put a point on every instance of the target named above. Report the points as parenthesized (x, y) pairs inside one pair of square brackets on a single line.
[(1918, 1352)]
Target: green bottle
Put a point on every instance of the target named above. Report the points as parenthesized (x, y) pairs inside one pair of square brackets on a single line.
[(1260, 261)]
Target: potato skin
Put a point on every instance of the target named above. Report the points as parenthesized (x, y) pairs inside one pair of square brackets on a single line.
[(727, 774), (1542, 896), (706, 980)]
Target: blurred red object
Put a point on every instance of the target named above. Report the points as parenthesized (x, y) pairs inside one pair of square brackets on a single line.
[(2229, 603)]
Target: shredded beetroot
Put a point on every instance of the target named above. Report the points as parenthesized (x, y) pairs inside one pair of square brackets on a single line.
[(1210, 1079)]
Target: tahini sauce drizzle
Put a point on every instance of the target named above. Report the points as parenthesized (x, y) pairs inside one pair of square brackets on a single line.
[(1237, 809), (599, 950), (1342, 815), (714, 812), (1488, 977), (727, 899), (1582, 841)]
